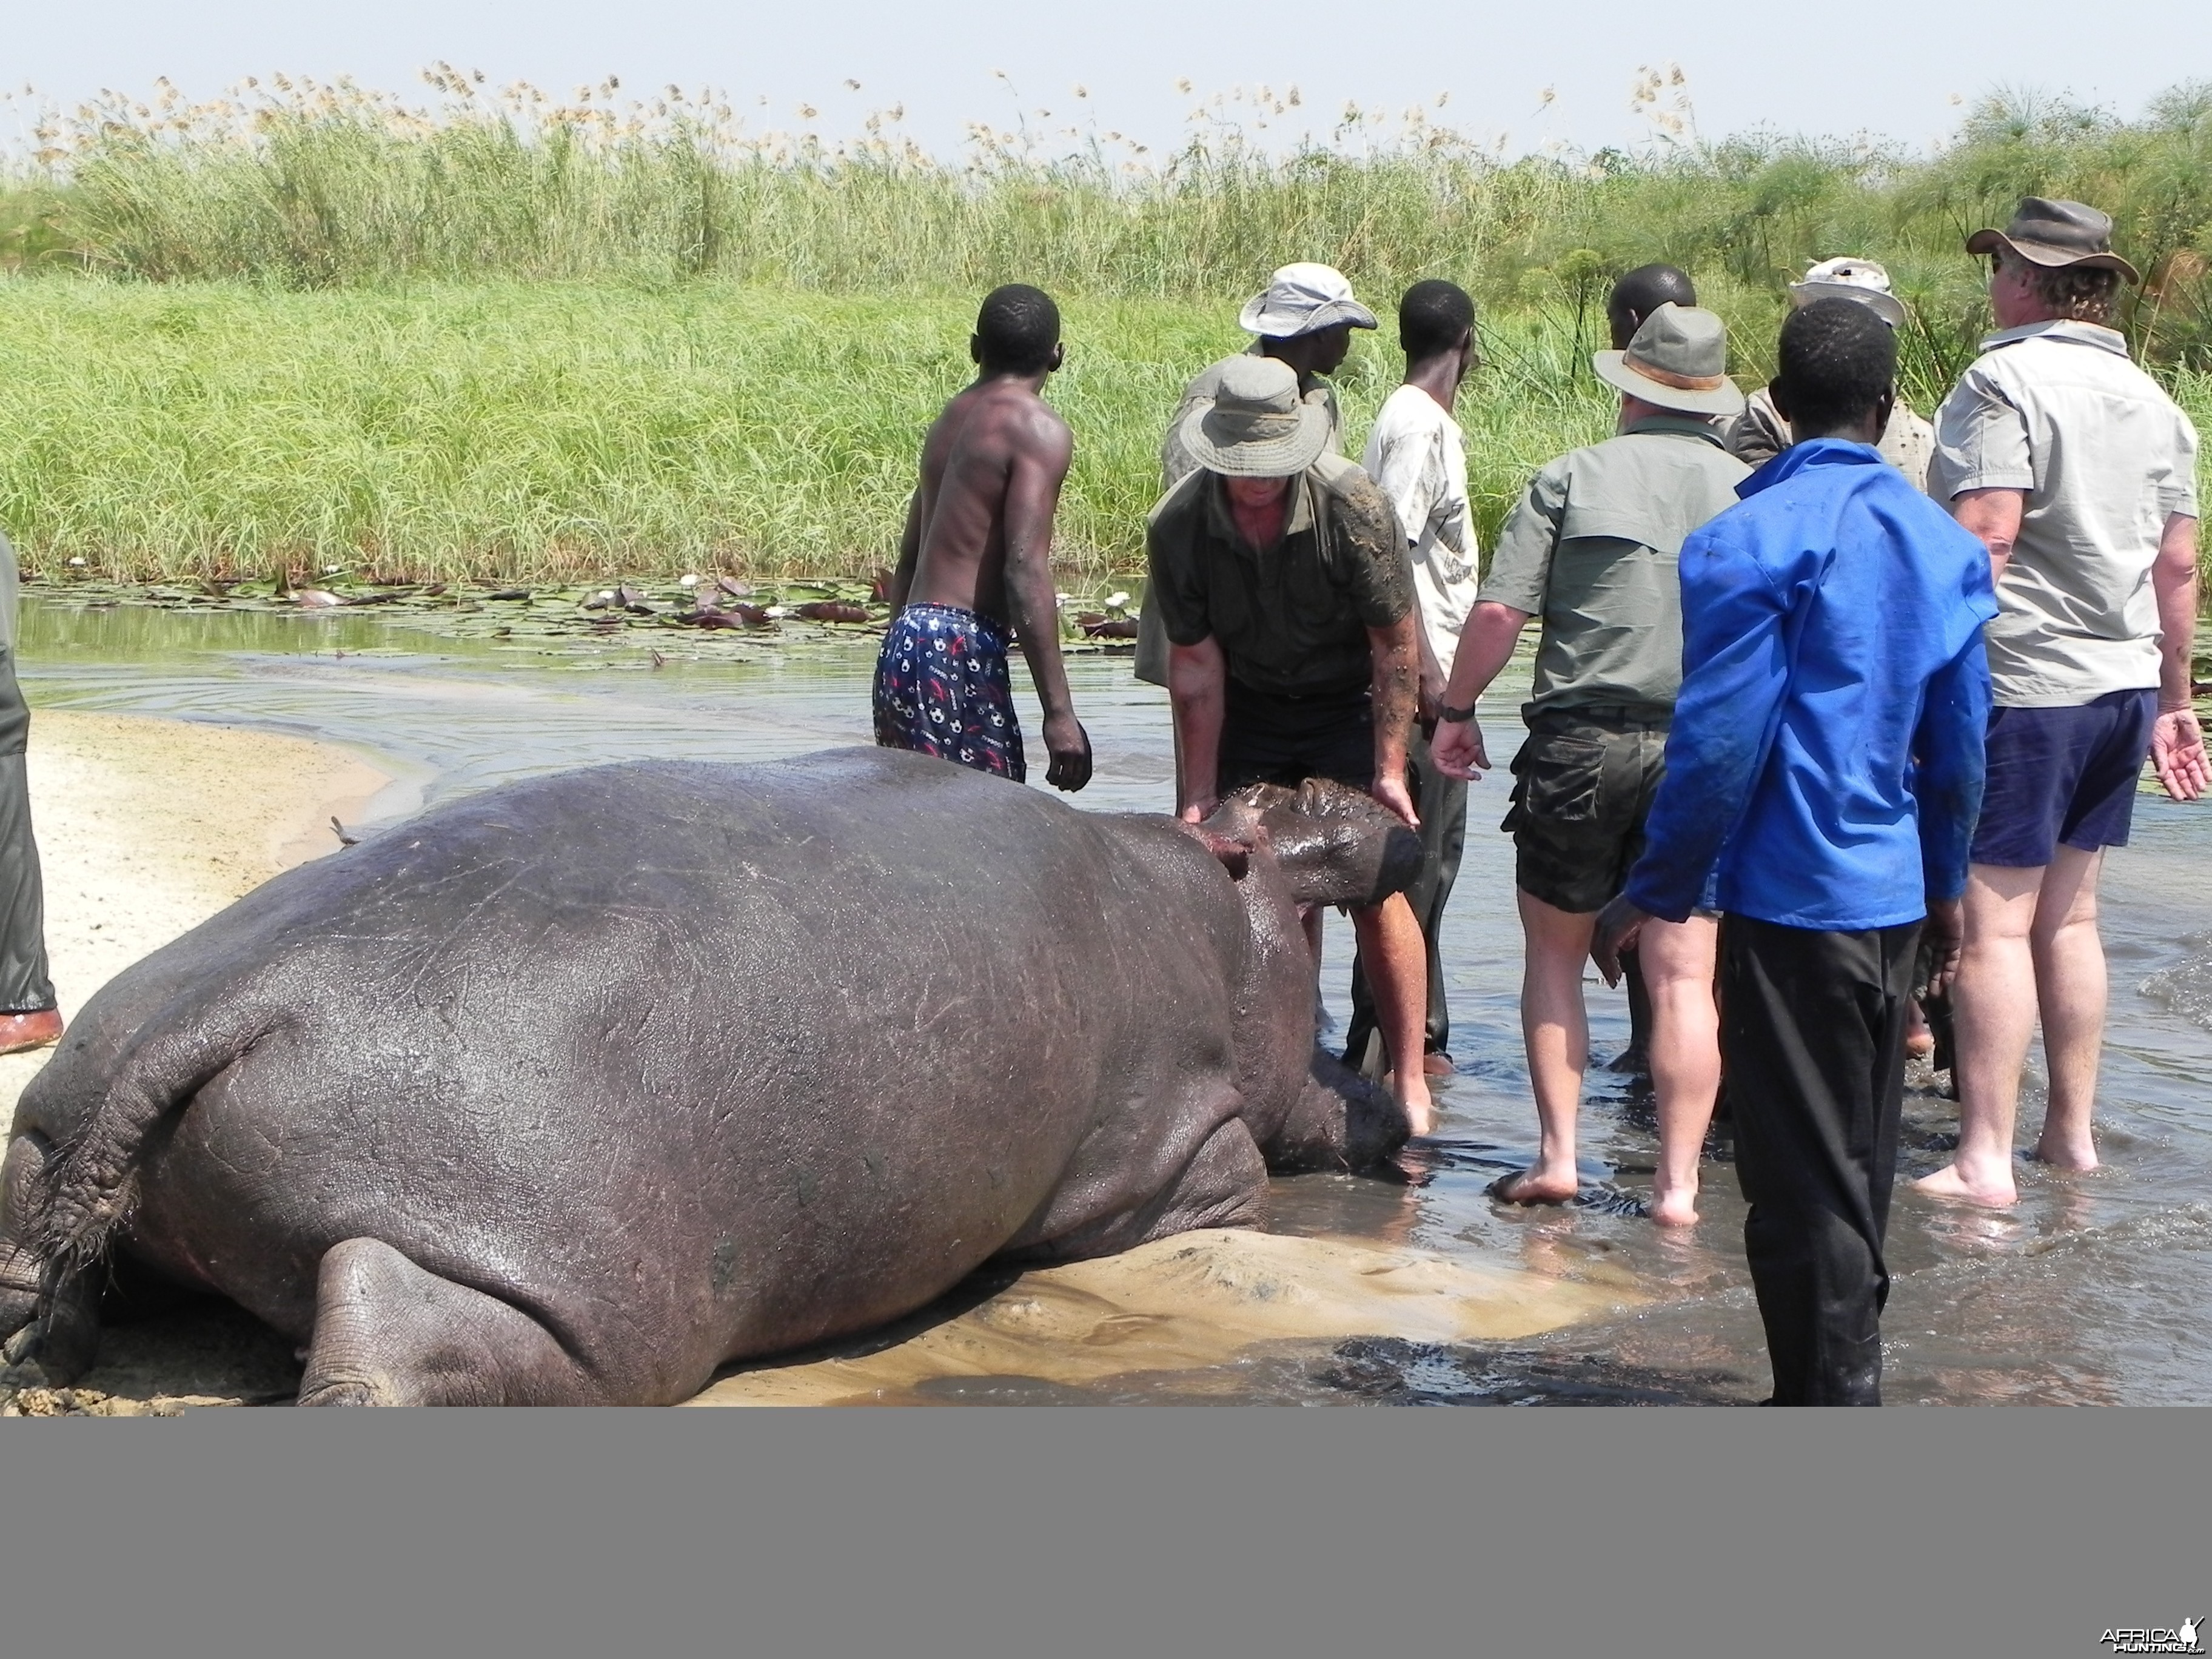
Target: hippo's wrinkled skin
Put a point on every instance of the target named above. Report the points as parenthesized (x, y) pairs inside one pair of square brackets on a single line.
[(574, 1091)]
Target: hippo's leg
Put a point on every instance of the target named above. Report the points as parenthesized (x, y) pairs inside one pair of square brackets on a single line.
[(388, 1332)]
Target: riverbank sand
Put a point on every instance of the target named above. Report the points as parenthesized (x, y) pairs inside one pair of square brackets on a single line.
[(146, 827)]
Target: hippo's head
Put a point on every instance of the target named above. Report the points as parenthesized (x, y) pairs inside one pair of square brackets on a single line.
[(1335, 844)]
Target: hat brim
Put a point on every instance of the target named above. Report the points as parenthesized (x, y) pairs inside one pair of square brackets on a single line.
[(1272, 457), (1612, 367), (1887, 306), (2049, 256), (1257, 318)]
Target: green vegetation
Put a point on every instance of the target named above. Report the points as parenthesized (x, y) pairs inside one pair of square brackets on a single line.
[(501, 338)]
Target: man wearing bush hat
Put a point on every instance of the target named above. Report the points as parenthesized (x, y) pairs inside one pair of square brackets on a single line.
[(1591, 550), (2079, 474), (1304, 317), (1286, 592), (1759, 433)]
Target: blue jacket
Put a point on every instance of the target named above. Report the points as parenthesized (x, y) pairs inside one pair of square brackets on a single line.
[(1825, 764)]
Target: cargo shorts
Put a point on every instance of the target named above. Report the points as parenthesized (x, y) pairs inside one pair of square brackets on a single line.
[(1582, 786)]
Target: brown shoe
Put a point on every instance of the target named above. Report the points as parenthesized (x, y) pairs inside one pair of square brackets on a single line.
[(20, 1033)]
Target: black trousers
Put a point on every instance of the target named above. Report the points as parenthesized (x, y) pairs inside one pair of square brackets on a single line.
[(1441, 803), (1813, 1041)]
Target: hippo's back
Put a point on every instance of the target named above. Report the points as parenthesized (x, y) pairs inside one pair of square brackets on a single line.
[(733, 1054)]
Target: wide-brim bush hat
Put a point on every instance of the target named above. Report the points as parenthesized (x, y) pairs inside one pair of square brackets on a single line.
[(1303, 298), (1678, 360), (1851, 279), (2056, 234), (1257, 426)]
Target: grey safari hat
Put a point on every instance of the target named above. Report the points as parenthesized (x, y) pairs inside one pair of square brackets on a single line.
[(1303, 298), (2055, 234), (1851, 279), (1257, 426), (1678, 360)]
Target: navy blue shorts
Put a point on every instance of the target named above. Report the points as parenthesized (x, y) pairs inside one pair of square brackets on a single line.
[(2062, 777), (942, 688)]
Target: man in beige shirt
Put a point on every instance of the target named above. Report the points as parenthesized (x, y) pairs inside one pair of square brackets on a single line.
[(2079, 474)]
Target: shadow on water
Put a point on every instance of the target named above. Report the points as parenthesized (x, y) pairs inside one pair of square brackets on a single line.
[(2092, 1291)]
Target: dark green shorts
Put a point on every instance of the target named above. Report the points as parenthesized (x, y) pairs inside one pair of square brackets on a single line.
[(1581, 789)]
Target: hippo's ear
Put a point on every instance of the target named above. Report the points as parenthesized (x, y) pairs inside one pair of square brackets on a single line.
[(1232, 834)]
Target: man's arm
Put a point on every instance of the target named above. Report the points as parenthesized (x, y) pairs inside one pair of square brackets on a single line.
[(1197, 678), (1033, 481), (1485, 646), (1396, 652), (909, 553), (1993, 516), (2177, 747), (1947, 787)]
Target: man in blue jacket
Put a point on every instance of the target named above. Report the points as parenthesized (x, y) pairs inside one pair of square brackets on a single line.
[(1823, 775)]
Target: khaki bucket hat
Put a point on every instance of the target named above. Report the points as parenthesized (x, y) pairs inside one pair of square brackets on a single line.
[(1678, 360), (1257, 426), (2055, 234)]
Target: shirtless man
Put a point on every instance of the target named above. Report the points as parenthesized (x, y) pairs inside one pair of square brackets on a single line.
[(977, 561)]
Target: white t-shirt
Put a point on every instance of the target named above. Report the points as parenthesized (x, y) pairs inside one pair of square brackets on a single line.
[(1416, 455), (2058, 410)]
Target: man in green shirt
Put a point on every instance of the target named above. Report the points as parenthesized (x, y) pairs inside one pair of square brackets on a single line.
[(1285, 590), (1591, 550)]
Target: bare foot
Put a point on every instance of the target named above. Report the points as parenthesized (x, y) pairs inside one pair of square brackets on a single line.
[(2062, 1155), (20, 1033), (1953, 1187), (1529, 1187), (1678, 1209), (1436, 1064)]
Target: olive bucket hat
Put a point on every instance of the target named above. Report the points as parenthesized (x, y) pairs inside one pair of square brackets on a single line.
[(2055, 234), (1678, 361), (1257, 426)]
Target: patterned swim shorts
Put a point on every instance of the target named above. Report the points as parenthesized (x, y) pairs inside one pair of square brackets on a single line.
[(942, 688)]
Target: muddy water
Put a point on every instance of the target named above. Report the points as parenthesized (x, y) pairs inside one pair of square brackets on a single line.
[(2095, 1290)]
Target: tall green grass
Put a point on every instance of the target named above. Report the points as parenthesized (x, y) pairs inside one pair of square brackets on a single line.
[(500, 337), (310, 186)]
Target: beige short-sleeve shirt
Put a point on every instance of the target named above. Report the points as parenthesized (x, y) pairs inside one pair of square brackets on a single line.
[(2059, 412)]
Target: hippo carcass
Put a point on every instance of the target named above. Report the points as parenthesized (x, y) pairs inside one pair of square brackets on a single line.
[(575, 1090)]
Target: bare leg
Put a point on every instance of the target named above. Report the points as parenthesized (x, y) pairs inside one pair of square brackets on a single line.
[(2070, 992), (1686, 1057), (1398, 968), (1993, 1008), (388, 1332), (1555, 1027)]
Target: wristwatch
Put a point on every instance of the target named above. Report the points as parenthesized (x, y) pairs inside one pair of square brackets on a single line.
[(1457, 716)]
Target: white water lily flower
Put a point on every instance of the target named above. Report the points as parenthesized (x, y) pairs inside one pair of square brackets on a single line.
[(1115, 601), (332, 569), (1063, 598), (606, 593), (778, 612), (687, 581), (78, 562)]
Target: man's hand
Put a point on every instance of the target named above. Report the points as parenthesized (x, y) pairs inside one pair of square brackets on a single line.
[(1198, 810), (1457, 749), (1070, 747), (2177, 750), (1390, 789), (1618, 926), (1944, 934)]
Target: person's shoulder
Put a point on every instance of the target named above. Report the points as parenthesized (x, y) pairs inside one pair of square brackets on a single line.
[(1409, 411), (1182, 502), (1354, 497)]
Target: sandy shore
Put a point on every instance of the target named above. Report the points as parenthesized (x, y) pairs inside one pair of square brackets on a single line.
[(147, 828)]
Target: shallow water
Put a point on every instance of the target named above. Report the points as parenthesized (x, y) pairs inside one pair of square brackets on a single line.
[(2093, 1291)]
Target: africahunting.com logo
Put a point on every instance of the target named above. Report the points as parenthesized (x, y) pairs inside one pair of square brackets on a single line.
[(2181, 1640)]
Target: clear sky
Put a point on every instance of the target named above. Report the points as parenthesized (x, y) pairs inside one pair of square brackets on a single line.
[(1891, 68)]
